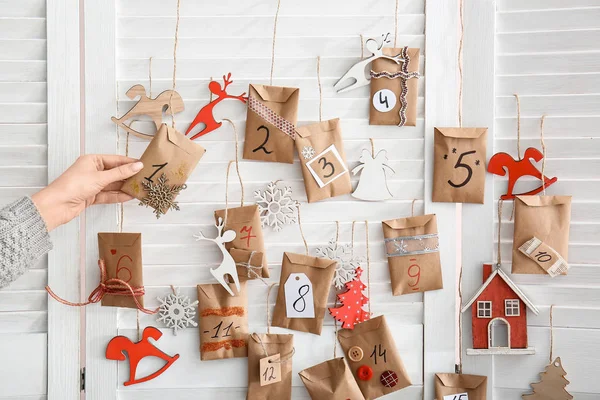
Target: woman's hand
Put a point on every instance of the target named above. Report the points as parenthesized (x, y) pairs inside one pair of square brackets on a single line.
[(92, 179)]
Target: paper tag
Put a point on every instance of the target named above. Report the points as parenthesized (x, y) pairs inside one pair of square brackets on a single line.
[(270, 370), (384, 100), (544, 256), (458, 396), (299, 297), (327, 166)]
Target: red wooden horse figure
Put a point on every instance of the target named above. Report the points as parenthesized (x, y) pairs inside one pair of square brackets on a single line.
[(136, 351), (501, 163), (205, 115)]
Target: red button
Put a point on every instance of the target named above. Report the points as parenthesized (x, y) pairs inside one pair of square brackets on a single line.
[(364, 373)]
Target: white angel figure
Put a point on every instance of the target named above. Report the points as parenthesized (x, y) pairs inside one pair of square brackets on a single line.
[(372, 185)]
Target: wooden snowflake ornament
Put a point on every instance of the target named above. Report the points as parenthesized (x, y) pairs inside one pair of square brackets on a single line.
[(347, 264), (552, 386), (352, 301), (276, 206), (160, 196), (177, 311)]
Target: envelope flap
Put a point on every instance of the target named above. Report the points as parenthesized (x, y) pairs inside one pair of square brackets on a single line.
[(362, 328), (272, 338), (315, 129), (182, 141), (543, 201), (325, 370), (276, 94), (309, 261), (461, 380), (208, 290), (461, 133), (411, 222), (238, 215), (119, 239)]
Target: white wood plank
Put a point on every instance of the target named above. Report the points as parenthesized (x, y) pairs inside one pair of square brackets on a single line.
[(548, 41), (34, 279), (23, 300), (24, 322), (23, 155), (23, 92), (22, 28), (22, 71), (23, 113), (28, 376), (554, 19), (513, 5), (554, 126), (548, 63), (560, 105), (26, 8), (23, 49), (567, 147), (8, 195), (26, 176), (548, 84)]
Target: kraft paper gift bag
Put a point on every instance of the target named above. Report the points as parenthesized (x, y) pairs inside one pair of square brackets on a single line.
[(223, 322), (331, 380), (474, 386), (270, 123), (394, 98), (324, 169), (373, 358), (248, 263), (547, 218), (245, 221), (170, 153), (282, 345), (412, 248), (122, 255), (319, 272), (459, 165)]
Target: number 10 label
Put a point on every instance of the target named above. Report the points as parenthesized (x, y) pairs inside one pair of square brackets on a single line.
[(327, 166)]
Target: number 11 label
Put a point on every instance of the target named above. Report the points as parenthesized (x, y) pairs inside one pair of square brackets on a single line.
[(299, 298), (458, 396)]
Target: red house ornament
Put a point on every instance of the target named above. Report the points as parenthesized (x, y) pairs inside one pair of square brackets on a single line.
[(499, 316)]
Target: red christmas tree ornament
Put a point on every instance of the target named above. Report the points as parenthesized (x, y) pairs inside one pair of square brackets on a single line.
[(351, 310), (205, 115)]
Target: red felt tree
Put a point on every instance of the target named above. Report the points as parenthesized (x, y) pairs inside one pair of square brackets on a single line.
[(351, 311)]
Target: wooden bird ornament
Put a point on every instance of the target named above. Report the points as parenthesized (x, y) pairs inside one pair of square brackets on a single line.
[(153, 107), (503, 163), (119, 345)]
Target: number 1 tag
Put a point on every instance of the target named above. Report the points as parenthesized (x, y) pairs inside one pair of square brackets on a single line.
[(270, 370), (458, 396), (299, 298)]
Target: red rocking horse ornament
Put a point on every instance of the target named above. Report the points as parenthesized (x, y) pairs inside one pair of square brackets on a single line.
[(205, 115), (119, 345), (502, 163)]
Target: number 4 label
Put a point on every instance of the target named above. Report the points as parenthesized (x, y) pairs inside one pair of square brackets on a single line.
[(458, 396), (270, 370)]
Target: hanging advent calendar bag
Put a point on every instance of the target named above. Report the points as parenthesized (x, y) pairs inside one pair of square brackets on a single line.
[(321, 151), (331, 380), (271, 123), (249, 263), (303, 292), (546, 218), (472, 387), (412, 248), (122, 255), (270, 381), (223, 322), (373, 358), (169, 153), (459, 167), (394, 89), (245, 221)]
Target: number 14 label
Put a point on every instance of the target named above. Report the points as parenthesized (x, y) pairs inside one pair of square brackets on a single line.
[(299, 299), (458, 396)]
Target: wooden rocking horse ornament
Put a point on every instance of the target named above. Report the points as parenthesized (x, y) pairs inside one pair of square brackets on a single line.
[(119, 345), (153, 107)]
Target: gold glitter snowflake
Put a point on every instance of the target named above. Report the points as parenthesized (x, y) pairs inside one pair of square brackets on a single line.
[(161, 197)]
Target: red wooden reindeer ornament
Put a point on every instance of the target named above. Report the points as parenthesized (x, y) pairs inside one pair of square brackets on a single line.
[(205, 115), (119, 345), (503, 163)]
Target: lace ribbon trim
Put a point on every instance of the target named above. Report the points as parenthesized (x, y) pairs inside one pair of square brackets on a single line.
[(412, 245), (271, 117)]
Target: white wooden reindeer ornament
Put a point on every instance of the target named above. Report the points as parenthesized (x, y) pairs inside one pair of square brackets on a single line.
[(372, 185), (228, 264)]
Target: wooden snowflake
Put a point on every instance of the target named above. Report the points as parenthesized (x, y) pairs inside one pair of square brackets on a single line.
[(276, 206), (345, 270), (308, 152), (177, 311), (161, 197)]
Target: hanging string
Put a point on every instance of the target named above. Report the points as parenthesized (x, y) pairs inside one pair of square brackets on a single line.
[(460, 63), (210, 94), (412, 208), (372, 147), (150, 77), (301, 231), (337, 232), (518, 125), (551, 333), (362, 47), (175, 63), (499, 255), (283, 359), (352, 246), (237, 168), (368, 265), (320, 88), (396, 25), (268, 309), (460, 299), (274, 38), (543, 153)]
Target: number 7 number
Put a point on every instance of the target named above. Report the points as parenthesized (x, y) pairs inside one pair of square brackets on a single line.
[(460, 164)]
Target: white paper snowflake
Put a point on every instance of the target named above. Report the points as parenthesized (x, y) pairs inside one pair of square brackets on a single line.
[(177, 311), (308, 152), (345, 269), (276, 206)]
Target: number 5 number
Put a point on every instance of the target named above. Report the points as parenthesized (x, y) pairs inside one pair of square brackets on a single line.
[(460, 164)]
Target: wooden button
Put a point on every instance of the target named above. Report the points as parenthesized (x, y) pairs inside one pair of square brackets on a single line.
[(364, 373), (355, 354), (389, 379)]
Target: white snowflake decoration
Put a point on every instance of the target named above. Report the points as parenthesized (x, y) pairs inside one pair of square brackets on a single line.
[(176, 311), (345, 270), (308, 152), (276, 206)]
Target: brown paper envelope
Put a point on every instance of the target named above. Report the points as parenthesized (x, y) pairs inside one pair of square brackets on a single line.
[(122, 255), (336, 175), (169, 146), (448, 384), (243, 256), (320, 273), (331, 380), (264, 141), (459, 165), (368, 336), (547, 218), (274, 344), (381, 64)]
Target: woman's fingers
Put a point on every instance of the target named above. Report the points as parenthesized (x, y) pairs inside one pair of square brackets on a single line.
[(120, 173), (113, 187), (112, 197), (110, 161)]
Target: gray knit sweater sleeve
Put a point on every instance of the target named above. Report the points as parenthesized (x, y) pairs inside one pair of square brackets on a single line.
[(24, 239)]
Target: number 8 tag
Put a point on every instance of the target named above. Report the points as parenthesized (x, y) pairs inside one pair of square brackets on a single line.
[(327, 166), (299, 298), (270, 370)]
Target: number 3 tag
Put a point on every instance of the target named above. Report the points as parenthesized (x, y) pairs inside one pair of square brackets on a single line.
[(299, 298), (458, 396), (327, 166), (270, 370)]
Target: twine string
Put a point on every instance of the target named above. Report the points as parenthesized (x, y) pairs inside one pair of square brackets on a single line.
[(274, 38), (412, 208), (268, 309), (252, 269), (368, 265), (460, 64), (518, 125), (372, 147), (543, 153), (301, 231), (237, 168), (320, 88), (551, 333), (396, 24), (499, 255), (175, 64), (362, 47), (352, 242)]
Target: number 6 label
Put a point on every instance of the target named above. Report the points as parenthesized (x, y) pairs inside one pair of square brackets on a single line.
[(327, 166), (299, 298), (458, 396)]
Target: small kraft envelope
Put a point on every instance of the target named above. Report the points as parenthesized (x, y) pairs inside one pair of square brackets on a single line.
[(270, 123), (245, 221), (370, 345), (319, 272), (412, 248), (331, 380), (122, 255), (459, 165), (449, 386), (324, 168), (547, 218), (170, 153), (273, 344)]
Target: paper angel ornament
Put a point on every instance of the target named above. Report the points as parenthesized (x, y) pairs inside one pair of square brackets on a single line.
[(372, 185)]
